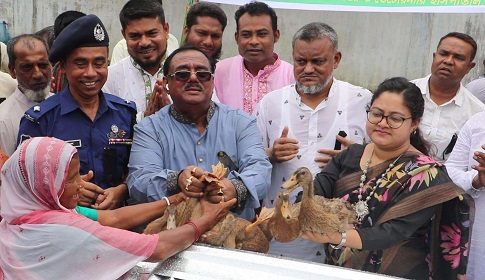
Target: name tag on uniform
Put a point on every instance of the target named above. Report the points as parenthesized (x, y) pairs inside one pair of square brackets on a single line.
[(75, 143)]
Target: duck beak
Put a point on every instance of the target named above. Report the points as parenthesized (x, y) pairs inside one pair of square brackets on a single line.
[(290, 184)]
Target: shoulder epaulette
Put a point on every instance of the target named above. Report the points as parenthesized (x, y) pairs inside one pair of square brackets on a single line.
[(35, 112), (117, 100)]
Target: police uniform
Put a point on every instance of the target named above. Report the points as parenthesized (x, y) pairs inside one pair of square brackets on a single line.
[(103, 144)]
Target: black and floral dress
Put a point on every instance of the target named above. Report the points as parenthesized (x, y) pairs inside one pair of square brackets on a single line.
[(419, 221)]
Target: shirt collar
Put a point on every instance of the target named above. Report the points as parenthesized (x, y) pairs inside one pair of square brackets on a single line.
[(268, 68), (68, 104), (183, 119), (458, 99)]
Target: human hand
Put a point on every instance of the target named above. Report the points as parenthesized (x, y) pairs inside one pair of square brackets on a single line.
[(89, 193), (158, 99), (479, 179), (328, 154), (189, 183), (212, 213), (177, 198), (219, 191), (284, 148), (113, 198)]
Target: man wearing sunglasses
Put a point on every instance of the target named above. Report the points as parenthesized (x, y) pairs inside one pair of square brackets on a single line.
[(205, 25), (173, 147), (448, 104)]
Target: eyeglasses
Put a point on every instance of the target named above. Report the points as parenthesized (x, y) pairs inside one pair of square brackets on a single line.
[(393, 120), (184, 76)]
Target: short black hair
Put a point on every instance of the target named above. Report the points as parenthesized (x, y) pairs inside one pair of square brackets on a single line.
[(255, 8), (64, 19), (166, 65), (25, 37), (205, 9), (464, 37), (138, 9)]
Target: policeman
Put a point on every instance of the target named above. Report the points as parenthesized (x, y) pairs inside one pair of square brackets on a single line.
[(98, 124)]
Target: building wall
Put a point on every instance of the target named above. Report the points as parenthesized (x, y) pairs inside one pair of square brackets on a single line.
[(374, 45)]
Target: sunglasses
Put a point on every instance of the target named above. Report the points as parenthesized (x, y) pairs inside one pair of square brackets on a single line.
[(184, 76)]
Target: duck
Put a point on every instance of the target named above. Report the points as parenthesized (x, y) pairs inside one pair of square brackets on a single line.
[(317, 213), (229, 232), (280, 222), (285, 226)]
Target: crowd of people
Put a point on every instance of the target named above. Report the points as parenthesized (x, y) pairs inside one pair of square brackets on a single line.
[(92, 152)]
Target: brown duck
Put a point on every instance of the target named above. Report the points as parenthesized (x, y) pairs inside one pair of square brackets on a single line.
[(317, 213), (229, 232)]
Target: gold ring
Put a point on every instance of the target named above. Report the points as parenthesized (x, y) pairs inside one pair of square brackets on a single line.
[(193, 170), (189, 181), (220, 192), (222, 199), (187, 187)]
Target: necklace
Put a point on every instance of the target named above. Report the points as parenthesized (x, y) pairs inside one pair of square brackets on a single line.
[(361, 207)]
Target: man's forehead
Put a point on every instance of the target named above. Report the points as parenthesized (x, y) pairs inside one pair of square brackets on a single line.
[(89, 52), (260, 21), (28, 44), (137, 22), (188, 59)]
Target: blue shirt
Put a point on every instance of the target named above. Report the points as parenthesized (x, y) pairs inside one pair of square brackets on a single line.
[(61, 117), (163, 146)]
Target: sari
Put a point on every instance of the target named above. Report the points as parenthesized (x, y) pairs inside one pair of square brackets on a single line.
[(41, 239), (419, 225)]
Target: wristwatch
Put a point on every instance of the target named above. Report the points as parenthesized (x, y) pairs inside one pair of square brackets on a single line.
[(342, 242)]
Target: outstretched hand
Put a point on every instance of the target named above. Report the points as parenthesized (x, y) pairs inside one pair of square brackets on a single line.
[(212, 213)]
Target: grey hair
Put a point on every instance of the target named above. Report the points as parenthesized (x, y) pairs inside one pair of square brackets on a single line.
[(316, 30)]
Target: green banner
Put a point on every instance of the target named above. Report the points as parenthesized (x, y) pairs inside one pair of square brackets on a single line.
[(416, 6)]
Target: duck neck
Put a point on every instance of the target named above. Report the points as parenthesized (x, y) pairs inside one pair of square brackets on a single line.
[(308, 191)]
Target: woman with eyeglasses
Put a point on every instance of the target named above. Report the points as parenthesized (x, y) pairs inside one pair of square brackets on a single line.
[(396, 189)]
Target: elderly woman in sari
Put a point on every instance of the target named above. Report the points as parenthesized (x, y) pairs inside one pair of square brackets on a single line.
[(396, 189), (43, 236)]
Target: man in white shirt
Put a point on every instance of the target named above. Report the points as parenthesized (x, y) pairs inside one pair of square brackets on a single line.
[(477, 86), (146, 33), (300, 119), (29, 64), (466, 167), (448, 104)]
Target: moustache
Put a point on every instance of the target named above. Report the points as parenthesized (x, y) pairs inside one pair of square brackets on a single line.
[(193, 86)]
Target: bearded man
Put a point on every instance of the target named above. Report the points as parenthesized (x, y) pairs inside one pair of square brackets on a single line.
[(29, 64)]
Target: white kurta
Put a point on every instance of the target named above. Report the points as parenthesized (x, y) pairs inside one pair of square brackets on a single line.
[(458, 165), (441, 122), (344, 109), (11, 111), (126, 81)]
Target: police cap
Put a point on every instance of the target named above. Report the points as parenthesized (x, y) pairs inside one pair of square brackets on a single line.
[(87, 31)]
